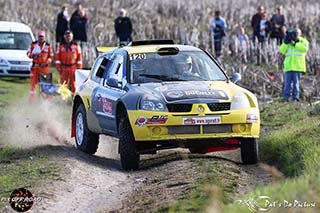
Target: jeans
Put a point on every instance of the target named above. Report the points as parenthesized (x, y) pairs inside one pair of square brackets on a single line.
[(291, 77)]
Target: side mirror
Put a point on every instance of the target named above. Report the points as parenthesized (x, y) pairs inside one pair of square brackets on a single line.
[(236, 77), (113, 82)]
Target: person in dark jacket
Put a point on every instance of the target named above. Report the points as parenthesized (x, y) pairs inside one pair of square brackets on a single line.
[(218, 27), (123, 27), (62, 24), (255, 23), (277, 22), (79, 24)]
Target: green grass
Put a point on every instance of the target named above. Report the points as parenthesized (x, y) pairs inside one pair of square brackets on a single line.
[(294, 148)]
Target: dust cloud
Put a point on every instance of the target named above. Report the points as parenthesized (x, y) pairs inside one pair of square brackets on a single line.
[(45, 122)]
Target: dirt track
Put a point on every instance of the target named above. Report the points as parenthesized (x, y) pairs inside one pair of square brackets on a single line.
[(97, 183)]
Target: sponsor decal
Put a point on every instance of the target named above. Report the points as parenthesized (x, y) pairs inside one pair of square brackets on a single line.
[(201, 120), (161, 88), (195, 93), (156, 119), (175, 94), (106, 106)]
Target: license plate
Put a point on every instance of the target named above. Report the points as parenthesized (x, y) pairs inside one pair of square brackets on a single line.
[(201, 120), (19, 68)]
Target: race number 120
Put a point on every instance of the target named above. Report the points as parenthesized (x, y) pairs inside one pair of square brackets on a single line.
[(140, 56)]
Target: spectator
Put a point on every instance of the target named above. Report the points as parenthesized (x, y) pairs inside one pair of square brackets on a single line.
[(68, 59), (62, 24), (242, 44), (79, 24), (41, 54), (277, 22), (218, 27), (255, 23), (294, 48), (264, 29), (123, 27)]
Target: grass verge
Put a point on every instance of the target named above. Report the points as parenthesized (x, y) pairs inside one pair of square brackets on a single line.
[(292, 143)]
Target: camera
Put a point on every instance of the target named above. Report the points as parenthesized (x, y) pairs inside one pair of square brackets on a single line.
[(291, 35)]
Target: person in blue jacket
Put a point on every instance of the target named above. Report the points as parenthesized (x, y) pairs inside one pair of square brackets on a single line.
[(218, 27)]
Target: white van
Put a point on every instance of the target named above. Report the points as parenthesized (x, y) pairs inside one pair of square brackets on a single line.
[(15, 39)]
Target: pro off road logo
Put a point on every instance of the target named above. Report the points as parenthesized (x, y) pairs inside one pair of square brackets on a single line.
[(21, 200), (156, 119)]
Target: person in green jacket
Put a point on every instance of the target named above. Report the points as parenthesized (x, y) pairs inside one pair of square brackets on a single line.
[(294, 49)]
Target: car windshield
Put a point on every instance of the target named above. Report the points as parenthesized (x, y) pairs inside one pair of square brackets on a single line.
[(15, 40), (179, 66)]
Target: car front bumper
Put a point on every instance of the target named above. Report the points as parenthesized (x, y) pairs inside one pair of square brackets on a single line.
[(156, 126)]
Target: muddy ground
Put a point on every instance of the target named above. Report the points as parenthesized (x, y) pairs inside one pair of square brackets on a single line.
[(97, 184)]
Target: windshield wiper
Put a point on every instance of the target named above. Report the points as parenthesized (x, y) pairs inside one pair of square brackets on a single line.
[(161, 77)]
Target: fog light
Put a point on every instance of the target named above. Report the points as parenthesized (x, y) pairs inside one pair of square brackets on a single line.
[(156, 130), (242, 127)]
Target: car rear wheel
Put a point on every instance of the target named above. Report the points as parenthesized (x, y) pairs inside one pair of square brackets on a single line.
[(249, 151), (86, 140), (129, 156)]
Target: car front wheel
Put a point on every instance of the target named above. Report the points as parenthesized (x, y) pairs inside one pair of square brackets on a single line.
[(249, 151), (129, 156), (86, 140)]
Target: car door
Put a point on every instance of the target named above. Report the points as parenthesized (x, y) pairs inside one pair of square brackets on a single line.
[(106, 95)]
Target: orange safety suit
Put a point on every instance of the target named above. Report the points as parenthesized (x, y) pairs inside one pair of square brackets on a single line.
[(68, 59), (40, 63)]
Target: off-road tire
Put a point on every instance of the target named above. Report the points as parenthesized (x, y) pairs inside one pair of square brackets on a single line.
[(90, 140), (129, 156), (197, 150), (249, 150)]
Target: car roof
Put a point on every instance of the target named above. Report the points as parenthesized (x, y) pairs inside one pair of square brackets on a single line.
[(155, 48), (7, 26)]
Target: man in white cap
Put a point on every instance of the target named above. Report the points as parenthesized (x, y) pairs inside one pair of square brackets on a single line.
[(41, 54)]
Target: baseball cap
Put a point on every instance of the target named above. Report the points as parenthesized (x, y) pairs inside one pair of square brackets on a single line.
[(67, 32), (41, 33)]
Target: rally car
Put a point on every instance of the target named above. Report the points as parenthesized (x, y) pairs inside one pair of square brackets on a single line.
[(156, 95)]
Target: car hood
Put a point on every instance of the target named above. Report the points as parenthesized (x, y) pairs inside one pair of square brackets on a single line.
[(14, 55), (184, 91)]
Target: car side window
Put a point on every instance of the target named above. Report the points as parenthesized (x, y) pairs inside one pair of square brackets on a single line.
[(115, 68), (94, 70)]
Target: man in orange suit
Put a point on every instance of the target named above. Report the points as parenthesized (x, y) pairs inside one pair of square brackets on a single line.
[(41, 54), (68, 59)]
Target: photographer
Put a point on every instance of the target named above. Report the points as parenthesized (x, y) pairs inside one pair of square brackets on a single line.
[(294, 49)]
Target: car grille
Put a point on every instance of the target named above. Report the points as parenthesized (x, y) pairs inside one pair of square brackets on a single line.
[(179, 107), (220, 128), (18, 71), (20, 62), (219, 106), (172, 130)]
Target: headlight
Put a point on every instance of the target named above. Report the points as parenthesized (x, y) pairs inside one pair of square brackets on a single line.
[(240, 101), (3, 62), (152, 105)]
